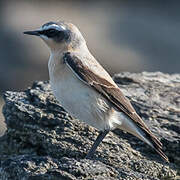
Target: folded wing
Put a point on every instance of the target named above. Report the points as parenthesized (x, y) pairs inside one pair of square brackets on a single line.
[(108, 89)]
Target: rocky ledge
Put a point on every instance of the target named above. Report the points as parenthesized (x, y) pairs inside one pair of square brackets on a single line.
[(43, 141)]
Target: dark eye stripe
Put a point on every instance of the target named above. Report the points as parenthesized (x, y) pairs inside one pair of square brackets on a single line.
[(55, 34), (49, 32)]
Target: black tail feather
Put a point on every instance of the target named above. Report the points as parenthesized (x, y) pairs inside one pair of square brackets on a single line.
[(156, 144)]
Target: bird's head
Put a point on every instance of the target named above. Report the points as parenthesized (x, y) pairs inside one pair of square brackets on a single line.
[(59, 36)]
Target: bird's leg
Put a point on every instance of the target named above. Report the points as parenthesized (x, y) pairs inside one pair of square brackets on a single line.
[(98, 140)]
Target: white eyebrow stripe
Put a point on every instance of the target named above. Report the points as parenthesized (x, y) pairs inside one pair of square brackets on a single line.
[(54, 26)]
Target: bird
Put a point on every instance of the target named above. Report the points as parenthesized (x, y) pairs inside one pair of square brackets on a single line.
[(86, 90)]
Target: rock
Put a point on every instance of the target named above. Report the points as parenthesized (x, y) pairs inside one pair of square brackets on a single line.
[(43, 141)]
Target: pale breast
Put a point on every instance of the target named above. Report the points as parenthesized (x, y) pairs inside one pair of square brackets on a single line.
[(76, 97)]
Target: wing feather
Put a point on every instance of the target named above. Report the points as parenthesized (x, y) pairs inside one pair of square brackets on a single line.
[(112, 93)]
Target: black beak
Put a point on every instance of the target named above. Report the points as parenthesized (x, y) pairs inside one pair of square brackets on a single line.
[(35, 33)]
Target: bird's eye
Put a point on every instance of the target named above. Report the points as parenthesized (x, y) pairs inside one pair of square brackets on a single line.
[(55, 34), (51, 32)]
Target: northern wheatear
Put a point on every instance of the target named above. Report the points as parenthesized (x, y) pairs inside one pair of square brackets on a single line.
[(85, 89)]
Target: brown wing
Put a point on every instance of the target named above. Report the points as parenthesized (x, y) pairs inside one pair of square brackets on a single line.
[(112, 93)]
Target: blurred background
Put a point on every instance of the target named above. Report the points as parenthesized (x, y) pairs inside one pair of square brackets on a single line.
[(123, 35)]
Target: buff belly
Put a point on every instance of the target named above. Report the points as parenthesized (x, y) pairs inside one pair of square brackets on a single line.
[(79, 99)]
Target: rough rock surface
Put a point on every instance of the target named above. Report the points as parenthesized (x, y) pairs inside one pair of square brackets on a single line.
[(43, 141)]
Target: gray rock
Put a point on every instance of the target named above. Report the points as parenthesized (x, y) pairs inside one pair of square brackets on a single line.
[(43, 141)]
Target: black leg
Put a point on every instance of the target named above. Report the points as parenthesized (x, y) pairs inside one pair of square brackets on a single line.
[(98, 140)]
